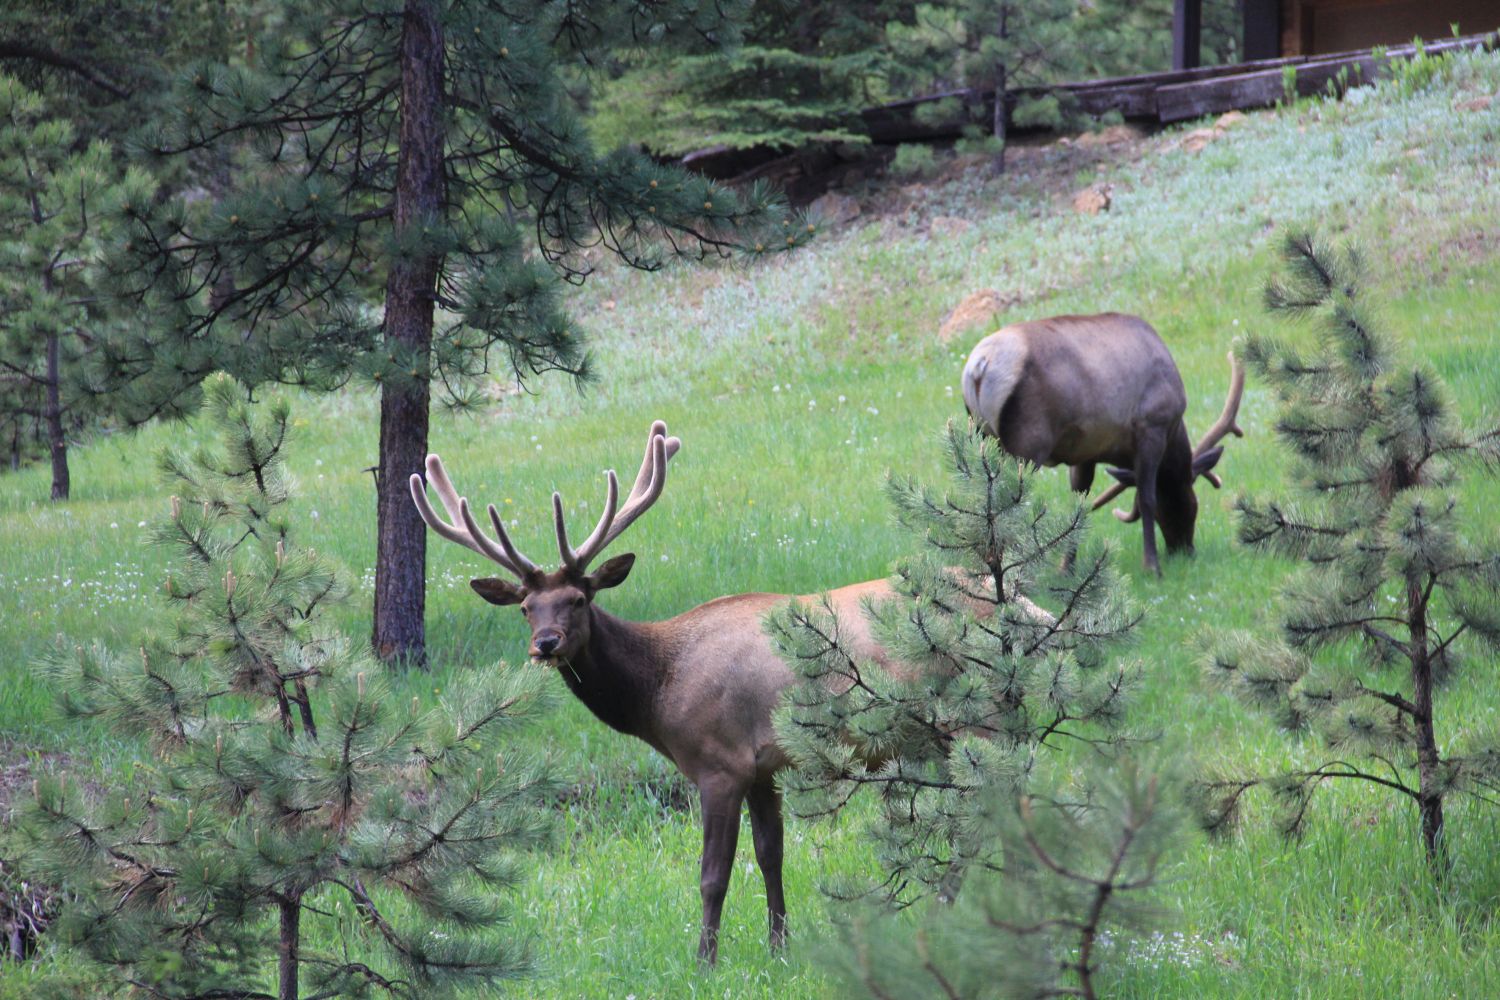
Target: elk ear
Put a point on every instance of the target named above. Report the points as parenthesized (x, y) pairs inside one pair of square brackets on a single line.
[(498, 591), (1206, 461), (1125, 476), (613, 572)]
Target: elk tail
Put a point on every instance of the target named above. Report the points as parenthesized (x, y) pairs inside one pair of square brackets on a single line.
[(991, 375)]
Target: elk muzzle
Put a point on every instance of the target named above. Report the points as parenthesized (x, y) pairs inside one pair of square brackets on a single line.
[(545, 643)]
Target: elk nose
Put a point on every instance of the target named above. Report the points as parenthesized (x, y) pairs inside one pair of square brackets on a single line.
[(545, 644)]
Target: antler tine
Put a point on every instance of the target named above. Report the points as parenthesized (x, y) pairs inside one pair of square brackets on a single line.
[(471, 536), (438, 477), (660, 450), (1226, 424), (594, 543), (648, 465), (1127, 516), (643, 477), (522, 563), (1108, 495), (564, 551), (437, 524), (485, 545), (505, 553)]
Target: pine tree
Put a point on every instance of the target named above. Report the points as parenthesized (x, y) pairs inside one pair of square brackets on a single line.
[(984, 679), (296, 834), (1078, 883), (1393, 592), (756, 95), (54, 198), (801, 75), (105, 65), (413, 190)]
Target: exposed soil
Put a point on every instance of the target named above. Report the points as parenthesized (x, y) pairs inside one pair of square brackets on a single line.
[(1048, 164)]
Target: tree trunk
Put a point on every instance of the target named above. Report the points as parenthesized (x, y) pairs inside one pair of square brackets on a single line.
[(401, 546), (288, 959), (57, 442), (1429, 761), (998, 124)]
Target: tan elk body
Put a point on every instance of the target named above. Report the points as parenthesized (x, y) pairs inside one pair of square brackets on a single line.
[(699, 687), (1080, 390)]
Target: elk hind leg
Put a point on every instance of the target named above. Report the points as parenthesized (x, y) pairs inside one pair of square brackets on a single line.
[(721, 800), (766, 830), (1152, 446)]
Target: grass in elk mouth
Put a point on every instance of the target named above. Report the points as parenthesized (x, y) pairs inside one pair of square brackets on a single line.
[(795, 387)]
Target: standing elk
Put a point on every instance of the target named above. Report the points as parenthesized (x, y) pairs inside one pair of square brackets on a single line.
[(1079, 390), (699, 687)]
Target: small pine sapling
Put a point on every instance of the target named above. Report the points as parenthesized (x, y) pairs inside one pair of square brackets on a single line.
[(1079, 877), (295, 829), (1393, 591), (980, 678), (55, 198)]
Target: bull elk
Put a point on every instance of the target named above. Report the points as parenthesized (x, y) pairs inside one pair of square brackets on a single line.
[(699, 687), (1079, 390)]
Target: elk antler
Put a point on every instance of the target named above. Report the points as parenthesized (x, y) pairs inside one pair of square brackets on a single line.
[(1109, 495), (1226, 424), (649, 482), (470, 536)]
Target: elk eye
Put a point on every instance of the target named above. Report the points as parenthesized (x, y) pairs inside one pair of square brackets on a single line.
[(525, 611), (578, 601)]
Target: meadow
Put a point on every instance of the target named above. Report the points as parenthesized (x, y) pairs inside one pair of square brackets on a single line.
[(796, 386)]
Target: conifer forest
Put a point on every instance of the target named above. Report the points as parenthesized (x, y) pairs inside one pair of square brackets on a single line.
[(977, 499)]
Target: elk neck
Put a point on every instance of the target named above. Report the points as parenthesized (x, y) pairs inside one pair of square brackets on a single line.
[(619, 673)]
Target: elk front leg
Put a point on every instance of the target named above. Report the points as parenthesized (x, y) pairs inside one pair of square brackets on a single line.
[(766, 830), (721, 801), (1081, 479)]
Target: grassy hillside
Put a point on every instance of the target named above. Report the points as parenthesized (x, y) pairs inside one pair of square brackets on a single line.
[(795, 387)]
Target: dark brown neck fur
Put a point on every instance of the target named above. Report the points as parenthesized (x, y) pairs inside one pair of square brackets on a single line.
[(618, 675)]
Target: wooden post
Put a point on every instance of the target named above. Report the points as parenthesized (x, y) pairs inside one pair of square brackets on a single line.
[(1187, 33), (1261, 38)]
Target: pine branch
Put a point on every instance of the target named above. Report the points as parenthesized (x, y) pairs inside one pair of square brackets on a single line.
[(11, 48)]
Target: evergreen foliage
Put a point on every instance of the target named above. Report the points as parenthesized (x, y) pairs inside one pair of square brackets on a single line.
[(298, 251), (101, 63), (296, 834), (1019, 873), (980, 681), (55, 197), (413, 190), (1079, 877), (801, 75), (1394, 596), (753, 95)]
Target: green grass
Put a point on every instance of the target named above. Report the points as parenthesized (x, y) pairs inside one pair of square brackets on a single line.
[(795, 387)]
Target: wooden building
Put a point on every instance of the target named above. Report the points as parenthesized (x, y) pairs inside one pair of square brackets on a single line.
[(1276, 29)]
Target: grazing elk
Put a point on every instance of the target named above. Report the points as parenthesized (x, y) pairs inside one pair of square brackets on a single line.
[(699, 687), (1079, 390)]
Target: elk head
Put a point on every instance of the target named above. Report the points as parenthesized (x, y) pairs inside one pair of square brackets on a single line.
[(1175, 497), (556, 603)]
